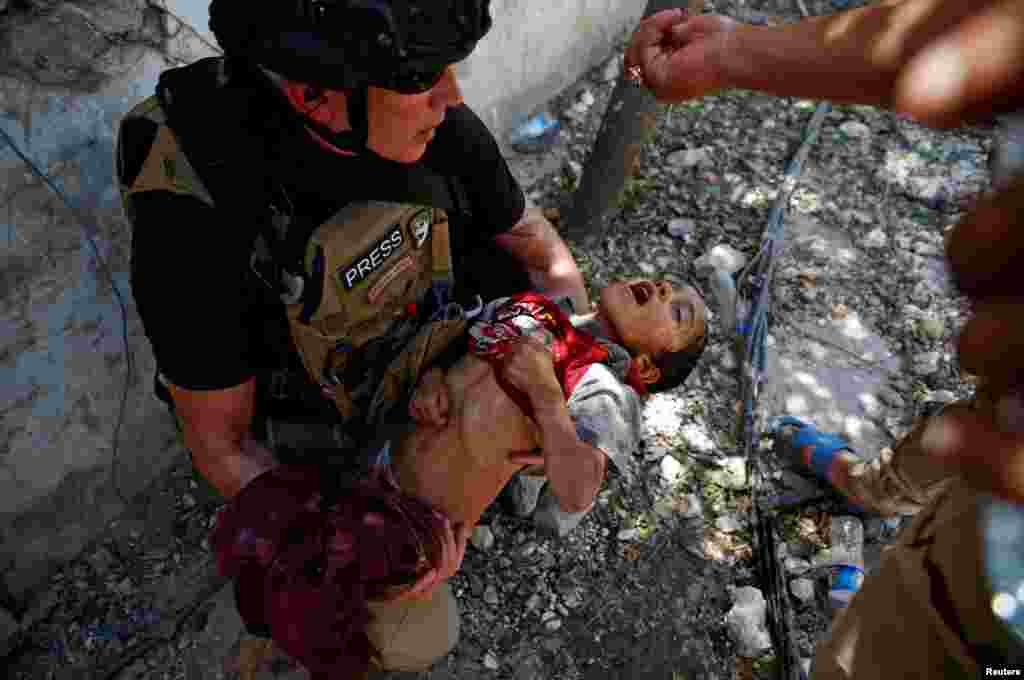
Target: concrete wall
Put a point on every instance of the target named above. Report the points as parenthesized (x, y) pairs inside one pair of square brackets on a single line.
[(535, 48), (63, 364)]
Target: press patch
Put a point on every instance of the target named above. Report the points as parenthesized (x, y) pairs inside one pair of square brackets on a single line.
[(359, 270), (389, 276)]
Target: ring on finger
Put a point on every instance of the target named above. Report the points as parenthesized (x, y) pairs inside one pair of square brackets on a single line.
[(636, 75)]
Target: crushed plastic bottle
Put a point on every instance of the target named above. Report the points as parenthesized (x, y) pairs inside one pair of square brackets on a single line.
[(535, 134), (847, 554), (723, 290)]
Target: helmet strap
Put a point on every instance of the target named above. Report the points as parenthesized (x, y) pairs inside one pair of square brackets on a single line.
[(348, 140)]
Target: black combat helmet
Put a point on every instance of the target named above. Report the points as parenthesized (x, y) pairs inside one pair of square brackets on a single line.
[(348, 45)]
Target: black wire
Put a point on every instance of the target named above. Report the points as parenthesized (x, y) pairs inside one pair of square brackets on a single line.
[(126, 353)]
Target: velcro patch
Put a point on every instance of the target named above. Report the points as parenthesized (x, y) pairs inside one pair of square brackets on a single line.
[(389, 276), (372, 260)]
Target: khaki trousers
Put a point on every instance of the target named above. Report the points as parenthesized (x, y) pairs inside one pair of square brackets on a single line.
[(412, 635), (926, 612)]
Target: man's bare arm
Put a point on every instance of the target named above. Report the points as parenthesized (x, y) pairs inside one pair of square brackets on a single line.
[(216, 424), (854, 57), (553, 271)]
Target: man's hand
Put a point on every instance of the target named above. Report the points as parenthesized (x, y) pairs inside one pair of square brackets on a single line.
[(986, 255), (429, 403), (973, 69), (453, 550), (678, 55)]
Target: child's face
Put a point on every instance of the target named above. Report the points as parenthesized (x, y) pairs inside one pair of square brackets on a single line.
[(652, 317)]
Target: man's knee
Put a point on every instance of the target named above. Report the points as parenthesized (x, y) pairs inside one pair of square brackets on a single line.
[(414, 635)]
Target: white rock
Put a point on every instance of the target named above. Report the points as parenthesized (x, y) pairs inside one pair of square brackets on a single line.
[(682, 227), (942, 396), (553, 624), (671, 470), (853, 128), (533, 603), (728, 524), (688, 158), (628, 534), (585, 101), (721, 257), (746, 622), (491, 662), (795, 565), (482, 538), (802, 589), (732, 474), (696, 436), (612, 69), (870, 403), (491, 595), (876, 238), (926, 363)]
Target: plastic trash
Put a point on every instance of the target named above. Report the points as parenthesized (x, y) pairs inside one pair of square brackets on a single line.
[(746, 622), (848, 555), (535, 134), (723, 290)]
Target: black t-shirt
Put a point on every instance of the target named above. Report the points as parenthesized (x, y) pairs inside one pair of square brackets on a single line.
[(210, 324)]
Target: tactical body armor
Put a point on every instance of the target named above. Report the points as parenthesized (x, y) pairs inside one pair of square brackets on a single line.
[(368, 296)]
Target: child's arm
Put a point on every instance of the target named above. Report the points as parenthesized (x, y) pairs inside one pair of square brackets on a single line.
[(574, 468)]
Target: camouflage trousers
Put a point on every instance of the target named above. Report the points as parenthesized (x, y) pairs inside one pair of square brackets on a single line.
[(926, 611)]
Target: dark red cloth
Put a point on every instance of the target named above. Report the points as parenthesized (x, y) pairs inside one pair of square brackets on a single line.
[(307, 572)]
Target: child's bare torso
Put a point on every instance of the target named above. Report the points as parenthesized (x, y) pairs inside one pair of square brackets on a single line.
[(462, 467)]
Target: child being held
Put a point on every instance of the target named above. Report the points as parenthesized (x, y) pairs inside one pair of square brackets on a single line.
[(643, 336)]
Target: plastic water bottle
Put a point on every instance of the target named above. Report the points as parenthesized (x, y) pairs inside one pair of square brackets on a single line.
[(723, 290), (534, 134), (848, 555)]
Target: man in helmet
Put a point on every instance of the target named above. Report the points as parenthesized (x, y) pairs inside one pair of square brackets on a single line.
[(315, 105), (303, 208)]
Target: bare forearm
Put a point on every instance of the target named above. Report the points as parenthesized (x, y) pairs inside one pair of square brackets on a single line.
[(535, 242), (562, 278), (230, 465), (851, 57)]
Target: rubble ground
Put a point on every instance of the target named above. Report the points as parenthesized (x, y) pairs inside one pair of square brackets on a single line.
[(642, 587)]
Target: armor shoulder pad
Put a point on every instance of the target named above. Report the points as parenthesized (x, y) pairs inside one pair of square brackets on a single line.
[(166, 168)]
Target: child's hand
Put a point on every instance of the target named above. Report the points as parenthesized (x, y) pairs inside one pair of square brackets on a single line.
[(529, 367), (429, 403)]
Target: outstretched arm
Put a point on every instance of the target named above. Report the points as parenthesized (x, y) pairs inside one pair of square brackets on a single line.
[(930, 59)]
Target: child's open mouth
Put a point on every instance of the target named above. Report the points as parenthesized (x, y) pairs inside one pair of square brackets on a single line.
[(641, 292)]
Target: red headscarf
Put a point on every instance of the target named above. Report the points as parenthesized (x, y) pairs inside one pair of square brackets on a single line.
[(307, 573)]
